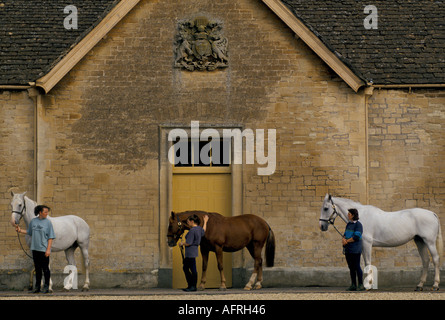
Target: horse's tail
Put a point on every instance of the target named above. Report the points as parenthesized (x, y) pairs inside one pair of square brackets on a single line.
[(439, 242), (270, 249), (83, 262)]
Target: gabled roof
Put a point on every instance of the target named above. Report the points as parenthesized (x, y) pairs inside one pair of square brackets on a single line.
[(407, 48)]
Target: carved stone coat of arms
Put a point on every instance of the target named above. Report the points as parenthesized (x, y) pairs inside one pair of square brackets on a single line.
[(200, 45)]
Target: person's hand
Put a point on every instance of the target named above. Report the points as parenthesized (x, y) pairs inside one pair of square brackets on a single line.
[(206, 218), (344, 241), (47, 253), (17, 228)]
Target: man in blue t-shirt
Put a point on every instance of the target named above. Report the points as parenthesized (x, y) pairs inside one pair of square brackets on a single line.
[(42, 235), (192, 241)]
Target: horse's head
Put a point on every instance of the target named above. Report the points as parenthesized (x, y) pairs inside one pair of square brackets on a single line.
[(327, 213), (18, 207), (175, 229)]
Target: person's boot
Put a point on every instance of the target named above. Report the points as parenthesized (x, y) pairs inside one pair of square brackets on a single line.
[(190, 289), (353, 287), (45, 289), (36, 290)]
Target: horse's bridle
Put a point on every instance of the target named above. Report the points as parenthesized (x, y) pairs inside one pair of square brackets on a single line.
[(180, 231), (331, 219), (178, 235), (20, 212), (333, 216), (18, 236)]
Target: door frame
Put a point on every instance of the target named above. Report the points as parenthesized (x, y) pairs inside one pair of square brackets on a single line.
[(166, 198)]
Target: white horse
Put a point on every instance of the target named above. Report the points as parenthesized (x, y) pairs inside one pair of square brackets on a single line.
[(71, 231), (391, 229)]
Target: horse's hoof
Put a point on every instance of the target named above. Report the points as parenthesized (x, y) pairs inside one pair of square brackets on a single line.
[(419, 288), (200, 288), (222, 289), (435, 289), (258, 287), (85, 289), (247, 288)]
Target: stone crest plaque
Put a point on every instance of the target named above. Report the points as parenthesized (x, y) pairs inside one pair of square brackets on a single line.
[(200, 45)]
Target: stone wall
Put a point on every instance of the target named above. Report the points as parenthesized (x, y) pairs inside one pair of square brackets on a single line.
[(406, 148), (16, 167)]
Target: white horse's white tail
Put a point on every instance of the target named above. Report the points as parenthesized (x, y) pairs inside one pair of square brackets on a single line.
[(439, 243), (82, 258)]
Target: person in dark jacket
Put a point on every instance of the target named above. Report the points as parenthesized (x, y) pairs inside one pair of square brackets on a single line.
[(352, 243), (192, 241)]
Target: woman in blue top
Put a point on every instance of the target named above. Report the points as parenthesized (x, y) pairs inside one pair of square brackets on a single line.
[(42, 235), (352, 242)]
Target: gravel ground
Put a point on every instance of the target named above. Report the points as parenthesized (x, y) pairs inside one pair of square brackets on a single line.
[(314, 293)]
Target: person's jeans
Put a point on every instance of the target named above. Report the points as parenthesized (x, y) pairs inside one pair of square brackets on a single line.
[(355, 271), (190, 271), (41, 264)]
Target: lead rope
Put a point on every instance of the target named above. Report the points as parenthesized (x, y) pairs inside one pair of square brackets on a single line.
[(333, 221), (335, 210), (181, 248), (21, 246), (18, 235)]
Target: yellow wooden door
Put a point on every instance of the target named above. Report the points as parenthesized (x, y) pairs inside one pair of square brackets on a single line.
[(207, 191)]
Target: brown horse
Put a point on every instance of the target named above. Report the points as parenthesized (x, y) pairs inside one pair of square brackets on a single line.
[(228, 234)]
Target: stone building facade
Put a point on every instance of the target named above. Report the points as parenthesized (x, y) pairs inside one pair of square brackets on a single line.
[(88, 136)]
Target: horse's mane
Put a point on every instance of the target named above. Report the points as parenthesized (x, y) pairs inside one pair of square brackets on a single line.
[(183, 215), (357, 205), (30, 201), (349, 202)]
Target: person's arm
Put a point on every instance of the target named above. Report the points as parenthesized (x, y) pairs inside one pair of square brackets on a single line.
[(206, 218), (191, 237), (356, 236), (19, 230), (48, 249)]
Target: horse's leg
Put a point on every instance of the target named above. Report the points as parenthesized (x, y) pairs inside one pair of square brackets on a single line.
[(219, 259), (367, 253), (31, 279), (435, 256), (86, 264), (251, 249), (50, 289), (205, 260), (69, 255), (258, 267), (423, 252)]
